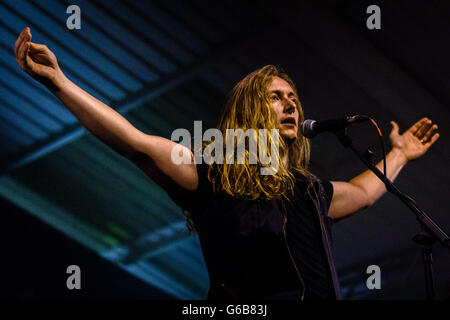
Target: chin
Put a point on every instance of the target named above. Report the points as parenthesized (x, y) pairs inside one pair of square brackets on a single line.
[(289, 137)]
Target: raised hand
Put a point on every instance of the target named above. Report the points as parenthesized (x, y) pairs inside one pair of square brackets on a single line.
[(36, 59), (415, 141)]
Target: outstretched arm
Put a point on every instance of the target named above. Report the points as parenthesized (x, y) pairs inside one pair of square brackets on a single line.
[(150, 153), (366, 188)]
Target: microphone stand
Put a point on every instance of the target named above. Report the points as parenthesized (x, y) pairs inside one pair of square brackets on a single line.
[(430, 231)]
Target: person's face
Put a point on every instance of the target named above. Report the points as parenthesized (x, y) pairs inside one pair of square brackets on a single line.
[(283, 100)]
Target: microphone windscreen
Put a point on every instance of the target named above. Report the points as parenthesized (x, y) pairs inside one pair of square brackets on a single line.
[(307, 128)]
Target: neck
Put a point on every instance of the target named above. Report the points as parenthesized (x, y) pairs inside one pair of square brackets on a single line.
[(285, 159)]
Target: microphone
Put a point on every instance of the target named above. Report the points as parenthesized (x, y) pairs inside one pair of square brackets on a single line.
[(311, 128)]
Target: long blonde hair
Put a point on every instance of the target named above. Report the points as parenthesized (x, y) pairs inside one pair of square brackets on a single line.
[(248, 106)]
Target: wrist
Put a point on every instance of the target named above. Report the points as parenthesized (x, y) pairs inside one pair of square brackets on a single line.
[(399, 155), (58, 81)]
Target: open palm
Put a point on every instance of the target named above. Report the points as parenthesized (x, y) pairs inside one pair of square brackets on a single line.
[(415, 141)]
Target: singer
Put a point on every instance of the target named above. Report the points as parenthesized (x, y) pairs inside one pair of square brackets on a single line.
[(262, 236)]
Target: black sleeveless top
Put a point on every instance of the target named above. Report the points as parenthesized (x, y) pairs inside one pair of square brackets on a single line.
[(260, 249)]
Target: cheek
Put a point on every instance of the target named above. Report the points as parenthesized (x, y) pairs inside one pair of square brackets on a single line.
[(278, 109)]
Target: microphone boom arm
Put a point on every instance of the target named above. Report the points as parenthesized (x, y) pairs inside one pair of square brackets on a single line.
[(430, 231)]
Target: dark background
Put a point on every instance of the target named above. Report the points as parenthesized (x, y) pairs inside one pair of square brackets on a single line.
[(35, 259)]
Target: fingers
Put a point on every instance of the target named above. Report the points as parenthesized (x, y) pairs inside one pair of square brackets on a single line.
[(430, 133), (19, 41), (22, 54), (426, 132), (22, 46), (424, 127), (37, 47), (433, 140), (25, 35), (417, 126)]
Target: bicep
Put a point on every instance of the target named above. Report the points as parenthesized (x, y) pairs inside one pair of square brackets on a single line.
[(154, 157), (347, 199)]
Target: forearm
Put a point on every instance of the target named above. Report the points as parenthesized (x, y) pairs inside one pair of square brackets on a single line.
[(101, 120), (371, 184)]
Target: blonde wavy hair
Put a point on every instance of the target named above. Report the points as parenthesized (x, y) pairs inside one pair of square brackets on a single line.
[(248, 106)]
